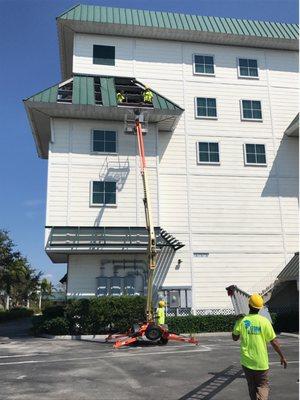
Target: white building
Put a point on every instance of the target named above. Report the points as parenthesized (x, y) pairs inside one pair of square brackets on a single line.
[(223, 172)]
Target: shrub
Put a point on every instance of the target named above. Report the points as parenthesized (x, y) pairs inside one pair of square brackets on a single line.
[(55, 326), (15, 313), (201, 323), (54, 311), (98, 315)]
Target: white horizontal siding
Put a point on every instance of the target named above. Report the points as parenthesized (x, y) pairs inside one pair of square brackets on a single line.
[(232, 159), (244, 217), (214, 273), (83, 55)]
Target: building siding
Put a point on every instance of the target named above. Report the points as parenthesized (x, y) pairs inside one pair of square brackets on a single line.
[(240, 219)]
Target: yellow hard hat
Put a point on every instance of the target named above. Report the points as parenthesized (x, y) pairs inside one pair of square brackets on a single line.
[(256, 301), (161, 303)]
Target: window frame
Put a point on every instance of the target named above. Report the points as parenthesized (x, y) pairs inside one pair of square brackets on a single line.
[(92, 204), (205, 117), (251, 119), (104, 45), (103, 152), (203, 73), (207, 162), (243, 76), (249, 164)]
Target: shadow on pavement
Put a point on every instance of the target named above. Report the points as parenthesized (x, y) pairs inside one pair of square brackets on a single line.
[(207, 390)]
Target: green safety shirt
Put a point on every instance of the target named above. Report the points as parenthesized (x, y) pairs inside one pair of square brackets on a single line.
[(255, 333), (161, 315), (120, 97), (148, 96)]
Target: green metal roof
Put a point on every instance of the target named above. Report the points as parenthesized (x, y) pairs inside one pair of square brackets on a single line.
[(83, 94), (186, 22)]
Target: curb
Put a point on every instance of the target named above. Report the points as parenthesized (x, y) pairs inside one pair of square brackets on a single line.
[(74, 337), (295, 335)]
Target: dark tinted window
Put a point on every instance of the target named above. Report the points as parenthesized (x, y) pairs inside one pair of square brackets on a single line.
[(104, 55)]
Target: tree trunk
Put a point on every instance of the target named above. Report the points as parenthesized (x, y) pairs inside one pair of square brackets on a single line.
[(7, 302)]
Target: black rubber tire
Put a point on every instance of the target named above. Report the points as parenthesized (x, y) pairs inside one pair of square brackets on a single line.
[(153, 333), (163, 341)]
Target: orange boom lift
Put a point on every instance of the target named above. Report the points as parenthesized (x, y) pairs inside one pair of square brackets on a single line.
[(150, 329)]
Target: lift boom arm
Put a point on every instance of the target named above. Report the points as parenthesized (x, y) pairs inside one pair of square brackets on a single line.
[(152, 253)]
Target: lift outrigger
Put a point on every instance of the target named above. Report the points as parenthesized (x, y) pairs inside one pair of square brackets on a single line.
[(150, 329)]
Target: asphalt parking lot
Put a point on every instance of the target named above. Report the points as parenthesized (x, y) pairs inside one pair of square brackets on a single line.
[(38, 368)]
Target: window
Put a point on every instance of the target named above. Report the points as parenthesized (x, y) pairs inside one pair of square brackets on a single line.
[(251, 110), (247, 68), (208, 153), (206, 107), (103, 192), (255, 154), (104, 55), (204, 65), (104, 141)]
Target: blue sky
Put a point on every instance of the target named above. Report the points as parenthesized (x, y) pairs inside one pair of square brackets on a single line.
[(30, 63)]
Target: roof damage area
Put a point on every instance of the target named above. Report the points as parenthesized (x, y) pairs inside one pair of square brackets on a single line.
[(95, 97)]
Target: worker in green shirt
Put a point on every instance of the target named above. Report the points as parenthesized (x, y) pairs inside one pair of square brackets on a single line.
[(255, 332), (147, 95), (120, 97), (161, 313)]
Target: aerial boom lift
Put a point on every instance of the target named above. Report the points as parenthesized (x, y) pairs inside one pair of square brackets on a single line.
[(149, 329)]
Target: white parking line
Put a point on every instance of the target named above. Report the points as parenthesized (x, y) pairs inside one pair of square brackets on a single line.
[(25, 355), (278, 362), (111, 355)]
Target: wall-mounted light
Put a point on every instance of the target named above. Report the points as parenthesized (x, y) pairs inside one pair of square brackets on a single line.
[(179, 262)]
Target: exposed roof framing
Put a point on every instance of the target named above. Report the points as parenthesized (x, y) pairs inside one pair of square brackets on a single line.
[(169, 26), (92, 97)]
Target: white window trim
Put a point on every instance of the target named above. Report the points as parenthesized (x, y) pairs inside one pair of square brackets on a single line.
[(104, 152), (255, 164), (203, 73), (247, 77), (102, 204), (206, 117), (207, 162), (251, 119)]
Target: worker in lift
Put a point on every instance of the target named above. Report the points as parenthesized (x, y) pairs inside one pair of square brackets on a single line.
[(120, 97), (255, 332), (147, 95), (161, 316)]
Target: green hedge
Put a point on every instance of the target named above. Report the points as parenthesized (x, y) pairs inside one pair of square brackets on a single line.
[(201, 323), (117, 314), (92, 316), (15, 313)]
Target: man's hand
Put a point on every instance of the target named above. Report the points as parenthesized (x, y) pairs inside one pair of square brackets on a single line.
[(283, 362), (276, 347)]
